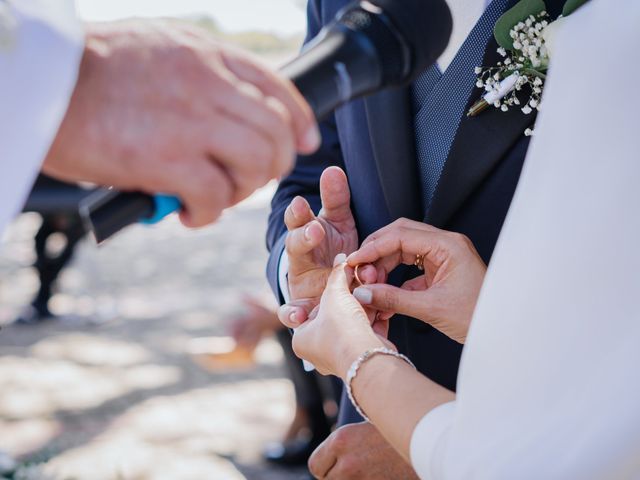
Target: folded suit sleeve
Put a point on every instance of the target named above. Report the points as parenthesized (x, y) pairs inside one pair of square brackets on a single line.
[(304, 180)]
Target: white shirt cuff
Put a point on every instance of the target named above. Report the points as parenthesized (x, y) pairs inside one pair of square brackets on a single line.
[(429, 441), (283, 276), (283, 285)]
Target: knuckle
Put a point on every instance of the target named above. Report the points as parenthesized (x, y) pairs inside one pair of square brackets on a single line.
[(289, 242), (348, 467), (461, 241), (389, 300), (458, 237), (289, 216), (341, 440), (280, 113), (402, 222), (294, 243)]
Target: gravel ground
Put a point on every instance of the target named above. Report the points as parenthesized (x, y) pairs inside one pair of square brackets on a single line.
[(108, 391)]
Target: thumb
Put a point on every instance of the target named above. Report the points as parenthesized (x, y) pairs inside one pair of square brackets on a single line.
[(335, 195), (341, 275), (387, 298), (295, 313)]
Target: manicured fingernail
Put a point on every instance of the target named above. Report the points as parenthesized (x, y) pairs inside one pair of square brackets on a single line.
[(340, 259), (293, 317), (363, 295), (312, 138), (307, 233)]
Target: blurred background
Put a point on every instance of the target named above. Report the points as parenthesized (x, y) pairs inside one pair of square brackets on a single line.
[(152, 356)]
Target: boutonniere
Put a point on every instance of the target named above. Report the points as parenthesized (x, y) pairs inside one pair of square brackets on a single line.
[(525, 35)]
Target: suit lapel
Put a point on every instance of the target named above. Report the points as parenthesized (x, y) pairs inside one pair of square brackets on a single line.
[(390, 122), (480, 144)]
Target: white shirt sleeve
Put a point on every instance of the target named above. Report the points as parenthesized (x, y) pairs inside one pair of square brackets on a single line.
[(283, 285), (41, 45)]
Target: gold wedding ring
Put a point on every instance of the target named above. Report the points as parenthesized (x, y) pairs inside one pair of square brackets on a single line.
[(419, 262), (355, 274)]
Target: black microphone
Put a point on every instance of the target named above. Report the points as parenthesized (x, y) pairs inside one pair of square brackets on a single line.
[(369, 46)]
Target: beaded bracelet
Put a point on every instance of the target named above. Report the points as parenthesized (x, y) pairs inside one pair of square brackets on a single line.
[(355, 366)]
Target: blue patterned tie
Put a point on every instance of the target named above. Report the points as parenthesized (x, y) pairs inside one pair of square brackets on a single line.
[(439, 101)]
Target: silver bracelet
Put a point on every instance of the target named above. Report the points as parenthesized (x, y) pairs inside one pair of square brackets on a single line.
[(355, 366)]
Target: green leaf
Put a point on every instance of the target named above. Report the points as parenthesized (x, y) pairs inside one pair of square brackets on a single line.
[(518, 13), (571, 6)]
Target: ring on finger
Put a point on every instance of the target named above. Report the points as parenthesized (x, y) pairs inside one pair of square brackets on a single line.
[(357, 277), (419, 262)]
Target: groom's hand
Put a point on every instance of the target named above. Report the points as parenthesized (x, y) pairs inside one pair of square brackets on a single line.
[(161, 106), (358, 452), (313, 242)]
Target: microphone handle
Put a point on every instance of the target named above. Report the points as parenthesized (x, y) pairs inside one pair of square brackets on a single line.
[(336, 67)]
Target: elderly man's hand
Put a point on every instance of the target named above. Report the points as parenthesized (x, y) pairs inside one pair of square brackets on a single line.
[(358, 452), (160, 106), (314, 241)]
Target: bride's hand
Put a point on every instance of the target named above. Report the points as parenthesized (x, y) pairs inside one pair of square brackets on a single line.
[(445, 296), (339, 330)]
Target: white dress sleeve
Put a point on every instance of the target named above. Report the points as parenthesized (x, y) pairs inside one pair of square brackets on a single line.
[(428, 443), (41, 45), (548, 383)]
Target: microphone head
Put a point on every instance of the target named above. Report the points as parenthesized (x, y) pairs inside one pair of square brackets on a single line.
[(408, 35)]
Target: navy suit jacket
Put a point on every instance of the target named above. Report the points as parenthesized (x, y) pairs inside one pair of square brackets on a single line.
[(373, 140)]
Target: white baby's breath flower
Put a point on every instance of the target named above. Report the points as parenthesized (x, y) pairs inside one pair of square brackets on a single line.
[(504, 108), (533, 103), (479, 83), (478, 70), (526, 110), (537, 81), (528, 132), (517, 45), (502, 51)]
